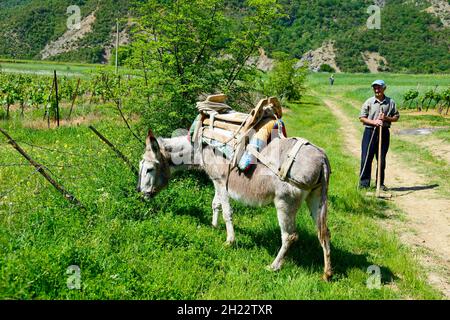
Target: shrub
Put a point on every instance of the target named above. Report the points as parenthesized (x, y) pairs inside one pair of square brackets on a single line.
[(326, 68)]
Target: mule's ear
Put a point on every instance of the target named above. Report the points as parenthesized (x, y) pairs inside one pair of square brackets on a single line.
[(151, 141), (150, 137)]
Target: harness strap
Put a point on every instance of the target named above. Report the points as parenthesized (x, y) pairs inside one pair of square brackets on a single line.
[(290, 158), (287, 164), (252, 150)]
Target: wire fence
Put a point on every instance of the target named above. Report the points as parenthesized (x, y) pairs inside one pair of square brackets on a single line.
[(73, 160), (3, 195), (50, 149)]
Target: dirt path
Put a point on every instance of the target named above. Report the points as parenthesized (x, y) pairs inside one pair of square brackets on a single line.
[(427, 225)]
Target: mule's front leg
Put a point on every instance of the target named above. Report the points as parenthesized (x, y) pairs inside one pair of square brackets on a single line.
[(216, 205), (227, 216)]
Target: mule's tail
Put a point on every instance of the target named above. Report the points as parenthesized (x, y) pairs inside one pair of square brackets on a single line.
[(322, 219)]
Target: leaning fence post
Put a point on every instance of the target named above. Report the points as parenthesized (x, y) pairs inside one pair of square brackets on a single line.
[(42, 171), (117, 151)]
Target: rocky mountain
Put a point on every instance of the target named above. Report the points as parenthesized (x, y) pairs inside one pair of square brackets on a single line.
[(340, 35)]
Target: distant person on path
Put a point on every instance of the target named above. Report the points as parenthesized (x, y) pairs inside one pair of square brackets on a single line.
[(332, 80), (377, 111)]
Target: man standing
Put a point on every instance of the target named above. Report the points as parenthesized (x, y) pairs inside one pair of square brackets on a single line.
[(378, 111), (332, 80)]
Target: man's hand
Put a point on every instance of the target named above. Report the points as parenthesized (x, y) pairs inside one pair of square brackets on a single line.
[(378, 123)]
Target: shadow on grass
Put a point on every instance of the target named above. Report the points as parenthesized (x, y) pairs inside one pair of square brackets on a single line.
[(308, 253), (363, 205), (200, 214), (199, 176), (415, 188)]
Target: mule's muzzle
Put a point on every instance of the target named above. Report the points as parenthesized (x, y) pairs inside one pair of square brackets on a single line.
[(149, 195), (146, 195)]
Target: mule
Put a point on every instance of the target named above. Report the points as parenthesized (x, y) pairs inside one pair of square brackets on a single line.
[(309, 182)]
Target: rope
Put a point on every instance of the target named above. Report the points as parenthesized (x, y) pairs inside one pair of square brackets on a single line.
[(205, 106)]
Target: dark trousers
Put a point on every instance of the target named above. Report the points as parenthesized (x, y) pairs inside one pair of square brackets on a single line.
[(369, 150)]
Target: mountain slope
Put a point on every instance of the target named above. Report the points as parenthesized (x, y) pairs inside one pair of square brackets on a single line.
[(412, 38), (28, 26)]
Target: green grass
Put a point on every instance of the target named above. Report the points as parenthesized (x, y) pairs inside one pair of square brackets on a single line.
[(46, 68), (165, 248)]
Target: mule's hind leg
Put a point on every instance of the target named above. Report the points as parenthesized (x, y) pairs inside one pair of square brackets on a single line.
[(314, 200), (286, 212)]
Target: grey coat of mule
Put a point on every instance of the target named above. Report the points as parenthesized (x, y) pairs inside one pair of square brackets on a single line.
[(309, 179)]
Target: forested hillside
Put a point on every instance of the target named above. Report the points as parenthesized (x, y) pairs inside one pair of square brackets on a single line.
[(411, 39), (28, 25)]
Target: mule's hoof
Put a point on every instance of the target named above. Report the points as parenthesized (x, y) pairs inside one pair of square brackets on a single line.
[(273, 268), (215, 226), (228, 244), (327, 276)]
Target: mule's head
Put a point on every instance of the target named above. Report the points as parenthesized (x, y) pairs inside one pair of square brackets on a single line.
[(154, 171)]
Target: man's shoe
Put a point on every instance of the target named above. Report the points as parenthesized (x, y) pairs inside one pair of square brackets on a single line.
[(384, 188)]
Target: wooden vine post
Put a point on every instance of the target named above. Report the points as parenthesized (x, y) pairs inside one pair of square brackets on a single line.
[(74, 98), (56, 97)]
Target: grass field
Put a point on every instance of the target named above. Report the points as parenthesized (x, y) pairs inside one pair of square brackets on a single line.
[(165, 248), (47, 68)]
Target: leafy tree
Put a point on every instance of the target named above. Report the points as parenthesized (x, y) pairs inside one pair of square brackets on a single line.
[(186, 48), (326, 68), (286, 80)]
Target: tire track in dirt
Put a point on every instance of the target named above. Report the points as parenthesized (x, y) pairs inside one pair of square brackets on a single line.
[(427, 229)]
